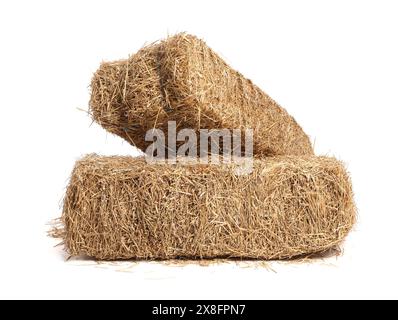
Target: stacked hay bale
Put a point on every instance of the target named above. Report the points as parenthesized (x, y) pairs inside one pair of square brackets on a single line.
[(181, 79), (292, 204), (123, 208)]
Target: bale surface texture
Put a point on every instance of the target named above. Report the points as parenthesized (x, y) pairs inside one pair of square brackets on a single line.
[(124, 208), (181, 79)]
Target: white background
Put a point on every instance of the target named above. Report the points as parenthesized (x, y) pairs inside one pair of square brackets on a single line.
[(332, 64)]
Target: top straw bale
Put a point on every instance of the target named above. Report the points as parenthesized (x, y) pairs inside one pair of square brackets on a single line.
[(181, 79)]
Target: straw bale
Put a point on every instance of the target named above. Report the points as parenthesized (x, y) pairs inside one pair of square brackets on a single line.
[(181, 79), (125, 208)]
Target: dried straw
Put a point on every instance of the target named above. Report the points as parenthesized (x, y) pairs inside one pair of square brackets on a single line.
[(181, 79), (125, 208)]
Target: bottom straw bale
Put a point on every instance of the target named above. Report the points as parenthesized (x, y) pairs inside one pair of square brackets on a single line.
[(125, 208)]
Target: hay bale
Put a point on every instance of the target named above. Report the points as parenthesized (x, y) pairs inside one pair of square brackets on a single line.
[(181, 79), (123, 208)]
